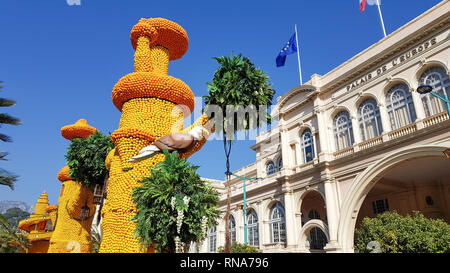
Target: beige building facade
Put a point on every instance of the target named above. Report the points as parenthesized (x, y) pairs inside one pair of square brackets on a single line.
[(355, 142)]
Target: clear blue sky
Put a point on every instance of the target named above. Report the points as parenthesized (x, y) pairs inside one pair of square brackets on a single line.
[(60, 63)]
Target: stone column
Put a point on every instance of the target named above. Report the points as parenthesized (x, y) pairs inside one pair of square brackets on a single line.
[(356, 132), (332, 213), (291, 232), (240, 225), (323, 133), (420, 112), (220, 232), (384, 116)]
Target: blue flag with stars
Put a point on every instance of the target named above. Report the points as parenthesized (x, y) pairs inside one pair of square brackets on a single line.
[(289, 48)]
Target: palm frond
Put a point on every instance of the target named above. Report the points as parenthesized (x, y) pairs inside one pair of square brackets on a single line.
[(6, 102), (7, 119), (7, 179)]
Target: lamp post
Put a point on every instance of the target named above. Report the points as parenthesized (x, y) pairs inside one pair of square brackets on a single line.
[(426, 88), (245, 202)]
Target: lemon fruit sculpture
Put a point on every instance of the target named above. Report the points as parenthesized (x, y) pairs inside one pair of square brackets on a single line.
[(73, 231), (36, 226), (153, 104)]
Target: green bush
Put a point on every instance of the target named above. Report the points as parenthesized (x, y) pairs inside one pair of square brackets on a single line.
[(162, 195), (398, 234), (239, 248)]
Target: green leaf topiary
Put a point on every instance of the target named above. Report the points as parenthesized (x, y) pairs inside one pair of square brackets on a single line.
[(86, 159)]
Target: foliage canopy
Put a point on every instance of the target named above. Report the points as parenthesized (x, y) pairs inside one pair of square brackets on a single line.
[(239, 248), (11, 240), (238, 82), (86, 159), (7, 178), (157, 219)]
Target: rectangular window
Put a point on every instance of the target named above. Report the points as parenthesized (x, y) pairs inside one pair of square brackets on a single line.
[(380, 206)]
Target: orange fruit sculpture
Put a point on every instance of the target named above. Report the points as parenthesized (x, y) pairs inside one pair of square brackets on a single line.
[(153, 104), (72, 233)]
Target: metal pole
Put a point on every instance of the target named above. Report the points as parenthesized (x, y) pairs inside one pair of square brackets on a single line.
[(446, 100), (298, 56), (245, 202), (245, 213), (381, 17)]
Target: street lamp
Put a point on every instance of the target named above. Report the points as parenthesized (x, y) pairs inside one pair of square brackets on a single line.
[(245, 202), (426, 88)]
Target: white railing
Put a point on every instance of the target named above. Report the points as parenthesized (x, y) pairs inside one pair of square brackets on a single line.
[(370, 143), (403, 131), (344, 152), (429, 121)]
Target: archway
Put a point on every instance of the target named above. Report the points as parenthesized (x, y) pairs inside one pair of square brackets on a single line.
[(312, 206), (314, 232), (313, 236), (402, 181)]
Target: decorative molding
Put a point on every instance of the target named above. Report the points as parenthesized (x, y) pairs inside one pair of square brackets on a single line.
[(423, 61), (409, 41)]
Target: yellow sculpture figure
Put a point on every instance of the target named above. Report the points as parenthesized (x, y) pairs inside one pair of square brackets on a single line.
[(152, 105), (39, 225), (76, 210)]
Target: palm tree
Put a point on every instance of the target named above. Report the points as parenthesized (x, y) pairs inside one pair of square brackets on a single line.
[(237, 82), (6, 178)]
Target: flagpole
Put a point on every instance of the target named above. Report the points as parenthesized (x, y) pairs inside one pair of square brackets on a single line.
[(298, 55), (381, 17)]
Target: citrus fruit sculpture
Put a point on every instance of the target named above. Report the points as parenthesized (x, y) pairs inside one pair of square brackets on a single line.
[(73, 229), (37, 225), (153, 104)]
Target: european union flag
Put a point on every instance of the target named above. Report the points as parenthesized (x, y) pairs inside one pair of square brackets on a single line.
[(289, 48)]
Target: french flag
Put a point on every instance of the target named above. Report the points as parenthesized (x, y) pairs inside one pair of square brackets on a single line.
[(362, 4)]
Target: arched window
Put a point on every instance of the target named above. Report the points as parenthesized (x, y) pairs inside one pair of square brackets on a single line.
[(369, 119), (270, 168), (277, 224), (317, 239), (232, 228), (280, 164), (307, 145), (436, 77), (313, 214), (252, 228), (400, 106), (343, 133), (212, 239)]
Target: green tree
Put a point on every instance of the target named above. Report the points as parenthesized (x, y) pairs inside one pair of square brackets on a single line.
[(239, 248), (6, 178), (14, 215), (86, 159), (237, 82), (11, 240), (398, 234), (174, 202)]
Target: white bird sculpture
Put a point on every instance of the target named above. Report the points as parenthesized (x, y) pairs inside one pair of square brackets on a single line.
[(180, 142)]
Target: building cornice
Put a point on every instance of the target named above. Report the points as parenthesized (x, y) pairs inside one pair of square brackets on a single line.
[(387, 48)]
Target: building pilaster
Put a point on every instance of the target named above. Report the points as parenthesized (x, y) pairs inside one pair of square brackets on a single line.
[(417, 100), (332, 206), (291, 234)]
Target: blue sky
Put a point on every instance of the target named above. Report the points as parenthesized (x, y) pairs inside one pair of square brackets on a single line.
[(60, 63)]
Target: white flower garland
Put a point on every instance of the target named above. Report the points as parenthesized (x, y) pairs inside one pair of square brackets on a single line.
[(180, 216)]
